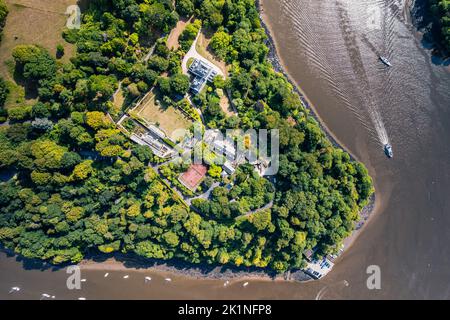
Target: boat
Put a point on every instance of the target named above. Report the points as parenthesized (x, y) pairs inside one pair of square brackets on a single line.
[(386, 61), (14, 289), (388, 150)]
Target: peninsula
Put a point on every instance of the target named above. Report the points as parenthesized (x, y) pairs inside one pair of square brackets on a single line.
[(99, 164)]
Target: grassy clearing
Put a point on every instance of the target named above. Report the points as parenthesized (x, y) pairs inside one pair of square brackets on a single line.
[(33, 22), (202, 48), (119, 101), (172, 40), (167, 118)]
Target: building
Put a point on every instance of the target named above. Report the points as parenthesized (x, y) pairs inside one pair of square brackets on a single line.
[(157, 132), (158, 148), (202, 73), (228, 167), (319, 268), (225, 147)]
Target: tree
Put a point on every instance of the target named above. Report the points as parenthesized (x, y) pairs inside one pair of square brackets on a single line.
[(34, 62), (82, 170), (19, 113), (179, 84), (101, 87), (189, 34), (3, 14), (149, 249), (59, 51), (40, 110), (69, 160), (185, 7), (158, 63), (47, 154), (42, 124), (164, 85), (220, 43), (4, 91), (215, 171), (97, 120), (171, 239), (261, 220)]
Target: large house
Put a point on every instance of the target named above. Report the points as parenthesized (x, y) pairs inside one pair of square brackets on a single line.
[(203, 73)]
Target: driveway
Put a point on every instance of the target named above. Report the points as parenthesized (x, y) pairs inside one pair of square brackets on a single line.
[(192, 53)]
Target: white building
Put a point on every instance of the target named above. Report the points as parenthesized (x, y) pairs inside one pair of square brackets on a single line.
[(203, 73), (319, 268)]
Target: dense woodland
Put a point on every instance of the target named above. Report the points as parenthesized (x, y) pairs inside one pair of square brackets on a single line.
[(82, 186), (3, 87), (441, 10)]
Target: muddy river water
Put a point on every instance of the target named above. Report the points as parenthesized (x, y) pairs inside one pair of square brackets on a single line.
[(331, 48)]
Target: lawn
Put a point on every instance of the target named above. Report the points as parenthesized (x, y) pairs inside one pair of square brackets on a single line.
[(33, 22), (167, 118)]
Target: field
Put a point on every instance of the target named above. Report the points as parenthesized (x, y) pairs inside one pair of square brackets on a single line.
[(33, 22), (166, 118)]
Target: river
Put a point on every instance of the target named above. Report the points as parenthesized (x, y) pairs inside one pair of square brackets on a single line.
[(331, 48)]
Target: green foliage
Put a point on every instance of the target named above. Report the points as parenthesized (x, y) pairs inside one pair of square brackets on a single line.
[(441, 10), (83, 186), (220, 43), (34, 62), (189, 34), (179, 84), (185, 7), (4, 91), (20, 113), (3, 15)]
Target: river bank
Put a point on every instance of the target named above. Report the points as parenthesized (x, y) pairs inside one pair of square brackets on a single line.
[(372, 207), (424, 22)]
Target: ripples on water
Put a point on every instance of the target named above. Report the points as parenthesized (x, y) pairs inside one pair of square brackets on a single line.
[(366, 31), (337, 41)]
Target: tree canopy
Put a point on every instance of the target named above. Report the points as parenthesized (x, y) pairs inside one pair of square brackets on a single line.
[(82, 186)]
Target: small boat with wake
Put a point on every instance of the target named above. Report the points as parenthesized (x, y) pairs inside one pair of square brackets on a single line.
[(388, 150), (385, 61)]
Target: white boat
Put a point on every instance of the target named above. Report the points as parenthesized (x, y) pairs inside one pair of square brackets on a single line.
[(386, 61), (81, 298), (147, 279), (106, 275), (245, 284), (168, 279), (126, 277), (47, 296), (83, 280), (388, 150), (14, 289)]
